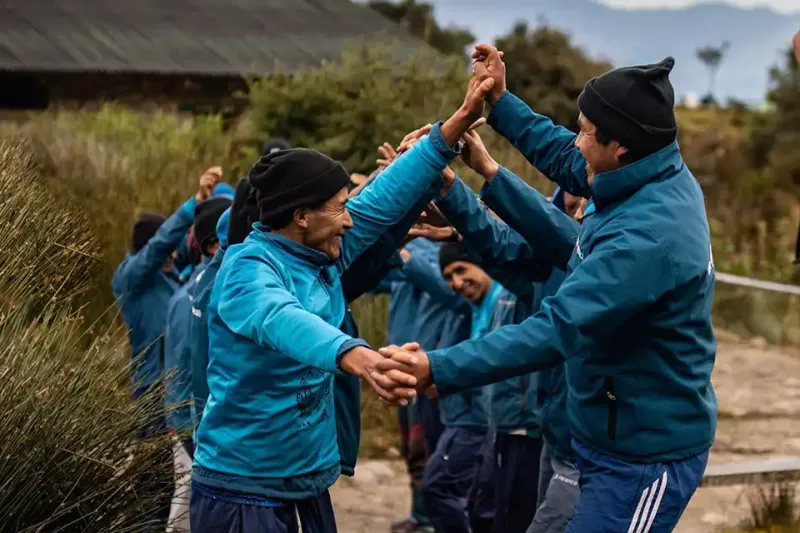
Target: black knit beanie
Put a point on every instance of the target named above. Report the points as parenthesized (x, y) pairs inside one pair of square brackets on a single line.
[(206, 216), (144, 228), (274, 145), (633, 106), (290, 179), (450, 252), (244, 213)]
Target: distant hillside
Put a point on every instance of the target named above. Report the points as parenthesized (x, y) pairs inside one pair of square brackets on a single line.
[(757, 36)]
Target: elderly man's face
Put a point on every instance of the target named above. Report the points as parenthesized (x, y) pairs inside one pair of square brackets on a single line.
[(325, 227)]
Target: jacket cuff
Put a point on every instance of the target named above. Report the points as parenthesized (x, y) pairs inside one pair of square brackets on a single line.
[(187, 209), (442, 388), (345, 347), (504, 106), (489, 188), (441, 147)]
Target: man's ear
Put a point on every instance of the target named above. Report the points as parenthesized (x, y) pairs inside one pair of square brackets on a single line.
[(300, 217), (620, 151), (796, 43)]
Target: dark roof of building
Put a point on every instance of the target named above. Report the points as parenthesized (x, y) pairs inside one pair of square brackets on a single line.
[(215, 37)]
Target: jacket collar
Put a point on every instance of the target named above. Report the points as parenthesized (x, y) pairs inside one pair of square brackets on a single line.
[(610, 187), (292, 248)]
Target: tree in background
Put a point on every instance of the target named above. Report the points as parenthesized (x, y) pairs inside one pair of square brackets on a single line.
[(712, 57), (547, 71), (417, 18)]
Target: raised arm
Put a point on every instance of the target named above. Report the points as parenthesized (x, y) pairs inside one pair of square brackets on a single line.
[(549, 148), (545, 227), (498, 245), (374, 269), (393, 191), (141, 266)]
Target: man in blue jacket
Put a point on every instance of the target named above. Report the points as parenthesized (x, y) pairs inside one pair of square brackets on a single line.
[(266, 446), (441, 319), (633, 316), (547, 227), (430, 319), (514, 406), (144, 283), (177, 362), (239, 220)]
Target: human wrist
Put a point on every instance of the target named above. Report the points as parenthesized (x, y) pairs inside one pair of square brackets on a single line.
[(490, 170), (355, 361), (455, 127)]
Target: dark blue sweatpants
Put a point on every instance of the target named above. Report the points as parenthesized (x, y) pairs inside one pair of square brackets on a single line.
[(481, 500), (431, 420), (448, 477), (620, 496), (213, 512), (517, 459)]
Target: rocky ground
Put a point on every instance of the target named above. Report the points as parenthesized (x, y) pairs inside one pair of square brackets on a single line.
[(759, 395)]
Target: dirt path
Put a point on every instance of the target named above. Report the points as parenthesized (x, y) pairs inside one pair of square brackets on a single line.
[(759, 397)]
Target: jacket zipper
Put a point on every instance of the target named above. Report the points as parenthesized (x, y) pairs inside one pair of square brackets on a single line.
[(523, 389), (612, 407)]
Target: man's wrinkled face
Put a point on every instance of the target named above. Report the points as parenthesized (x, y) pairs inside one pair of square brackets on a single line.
[(599, 158), (467, 279), (323, 228)]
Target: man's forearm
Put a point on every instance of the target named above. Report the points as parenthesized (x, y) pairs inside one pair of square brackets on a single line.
[(456, 126)]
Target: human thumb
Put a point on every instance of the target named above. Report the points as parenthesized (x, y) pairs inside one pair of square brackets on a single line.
[(485, 86)]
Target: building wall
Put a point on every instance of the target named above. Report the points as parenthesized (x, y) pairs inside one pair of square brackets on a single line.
[(148, 92)]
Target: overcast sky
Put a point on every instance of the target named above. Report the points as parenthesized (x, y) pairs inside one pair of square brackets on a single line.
[(787, 6)]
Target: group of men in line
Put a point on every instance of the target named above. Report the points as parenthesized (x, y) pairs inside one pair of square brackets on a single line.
[(557, 352)]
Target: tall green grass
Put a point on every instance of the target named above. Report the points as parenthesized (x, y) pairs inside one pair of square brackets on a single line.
[(69, 459)]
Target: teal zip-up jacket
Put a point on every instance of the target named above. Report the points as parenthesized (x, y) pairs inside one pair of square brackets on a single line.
[(632, 318), (198, 331), (513, 403), (515, 263), (198, 321), (143, 292), (178, 355), (365, 272), (268, 427)]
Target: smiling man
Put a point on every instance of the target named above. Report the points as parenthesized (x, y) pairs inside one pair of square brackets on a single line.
[(267, 448), (632, 318)]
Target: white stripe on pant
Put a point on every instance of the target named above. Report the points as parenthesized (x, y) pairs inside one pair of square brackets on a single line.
[(179, 508), (643, 518)]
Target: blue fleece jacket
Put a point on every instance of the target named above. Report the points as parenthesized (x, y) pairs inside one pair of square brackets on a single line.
[(178, 355), (633, 316), (198, 322), (143, 292), (268, 427)]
